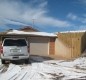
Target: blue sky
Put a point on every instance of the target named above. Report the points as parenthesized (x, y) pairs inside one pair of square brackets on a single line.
[(48, 15)]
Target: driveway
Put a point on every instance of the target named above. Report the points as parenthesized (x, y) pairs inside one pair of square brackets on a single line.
[(43, 68)]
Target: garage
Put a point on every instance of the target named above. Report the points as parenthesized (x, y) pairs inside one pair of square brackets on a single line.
[(39, 46), (39, 43)]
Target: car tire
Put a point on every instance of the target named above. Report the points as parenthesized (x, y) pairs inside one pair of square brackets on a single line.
[(3, 61), (26, 61)]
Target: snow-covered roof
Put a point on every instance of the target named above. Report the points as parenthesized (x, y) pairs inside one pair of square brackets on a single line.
[(32, 33), (78, 31)]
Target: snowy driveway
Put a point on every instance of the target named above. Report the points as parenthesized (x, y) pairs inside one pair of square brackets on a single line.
[(45, 69)]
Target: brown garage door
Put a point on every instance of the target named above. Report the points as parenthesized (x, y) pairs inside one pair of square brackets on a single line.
[(39, 46)]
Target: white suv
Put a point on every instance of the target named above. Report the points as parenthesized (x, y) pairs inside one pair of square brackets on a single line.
[(14, 49)]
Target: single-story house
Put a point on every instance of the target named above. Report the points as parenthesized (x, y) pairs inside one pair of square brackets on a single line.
[(62, 45), (40, 43)]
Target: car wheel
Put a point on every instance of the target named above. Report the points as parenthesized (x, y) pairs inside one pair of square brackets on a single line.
[(26, 61), (3, 61)]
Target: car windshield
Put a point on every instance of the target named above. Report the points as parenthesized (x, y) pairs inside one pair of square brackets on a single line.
[(15, 42)]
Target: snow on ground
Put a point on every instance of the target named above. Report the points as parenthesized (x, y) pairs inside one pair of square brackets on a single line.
[(44, 69)]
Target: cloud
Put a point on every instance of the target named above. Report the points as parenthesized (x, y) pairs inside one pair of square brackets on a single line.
[(82, 1), (77, 18), (20, 13), (83, 20), (82, 27), (72, 16), (4, 21), (54, 22)]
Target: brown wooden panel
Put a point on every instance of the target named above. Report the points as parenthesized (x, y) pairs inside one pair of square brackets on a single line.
[(75, 47)]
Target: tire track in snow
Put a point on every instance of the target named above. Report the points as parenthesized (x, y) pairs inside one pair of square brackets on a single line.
[(11, 72), (21, 74), (36, 72), (30, 72), (3, 68)]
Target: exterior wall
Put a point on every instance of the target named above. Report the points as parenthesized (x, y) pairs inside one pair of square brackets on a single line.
[(52, 46), (43, 46)]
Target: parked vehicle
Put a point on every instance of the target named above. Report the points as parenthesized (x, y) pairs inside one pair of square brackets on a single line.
[(14, 49)]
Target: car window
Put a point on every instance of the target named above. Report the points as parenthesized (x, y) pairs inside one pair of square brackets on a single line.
[(17, 42)]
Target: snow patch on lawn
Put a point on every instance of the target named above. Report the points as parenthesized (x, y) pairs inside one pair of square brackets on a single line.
[(80, 62), (71, 70)]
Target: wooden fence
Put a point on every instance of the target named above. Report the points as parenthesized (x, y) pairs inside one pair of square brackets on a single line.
[(75, 41)]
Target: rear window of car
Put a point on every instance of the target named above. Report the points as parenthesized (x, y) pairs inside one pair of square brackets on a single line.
[(14, 42)]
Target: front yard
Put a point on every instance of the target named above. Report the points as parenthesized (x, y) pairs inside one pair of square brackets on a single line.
[(45, 69)]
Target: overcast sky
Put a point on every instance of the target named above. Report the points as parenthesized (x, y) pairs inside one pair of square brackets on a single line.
[(48, 15)]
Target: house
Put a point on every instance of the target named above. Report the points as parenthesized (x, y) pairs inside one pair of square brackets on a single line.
[(40, 43), (62, 45)]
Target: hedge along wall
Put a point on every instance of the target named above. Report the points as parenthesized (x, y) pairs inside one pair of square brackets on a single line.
[(73, 41)]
